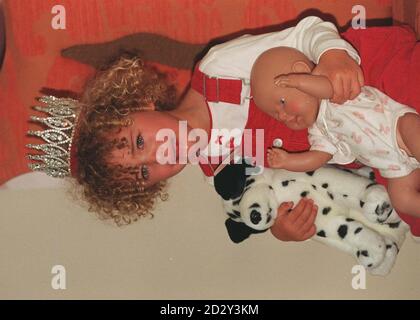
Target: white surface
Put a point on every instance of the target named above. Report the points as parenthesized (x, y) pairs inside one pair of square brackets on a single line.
[(182, 253), (33, 180)]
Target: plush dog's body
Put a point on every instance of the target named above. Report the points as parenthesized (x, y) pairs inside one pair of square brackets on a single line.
[(354, 213)]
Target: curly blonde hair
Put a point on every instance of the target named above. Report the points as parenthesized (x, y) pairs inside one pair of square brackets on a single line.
[(126, 86)]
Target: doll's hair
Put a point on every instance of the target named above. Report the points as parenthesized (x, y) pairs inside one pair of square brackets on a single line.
[(128, 85)]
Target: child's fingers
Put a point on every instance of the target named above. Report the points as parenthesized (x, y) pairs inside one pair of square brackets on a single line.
[(311, 220), (347, 85), (298, 210), (307, 211), (338, 89), (284, 208), (355, 90), (311, 232), (360, 77)]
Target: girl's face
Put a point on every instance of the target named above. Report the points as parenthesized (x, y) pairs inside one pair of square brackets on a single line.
[(141, 146)]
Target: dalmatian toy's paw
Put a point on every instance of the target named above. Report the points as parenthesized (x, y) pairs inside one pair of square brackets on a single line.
[(371, 249), (391, 252), (376, 205), (370, 258)]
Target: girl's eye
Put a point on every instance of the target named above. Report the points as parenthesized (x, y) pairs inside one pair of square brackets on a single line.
[(145, 172), (282, 101), (140, 142)]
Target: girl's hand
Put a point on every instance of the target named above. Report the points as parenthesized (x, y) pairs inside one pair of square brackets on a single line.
[(343, 72), (287, 80), (277, 158), (295, 224)]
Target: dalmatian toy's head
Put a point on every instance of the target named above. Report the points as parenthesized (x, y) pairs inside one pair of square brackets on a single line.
[(249, 212), (258, 208)]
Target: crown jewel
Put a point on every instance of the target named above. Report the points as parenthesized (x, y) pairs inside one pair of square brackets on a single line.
[(57, 155)]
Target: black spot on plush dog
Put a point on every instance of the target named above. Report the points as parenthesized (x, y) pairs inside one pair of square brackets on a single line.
[(304, 194), (342, 231), (358, 230), (363, 253), (394, 225), (255, 217), (321, 234), (326, 210)]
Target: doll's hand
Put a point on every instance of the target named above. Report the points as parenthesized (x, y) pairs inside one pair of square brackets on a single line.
[(286, 81), (277, 158), (343, 72), (295, 224)]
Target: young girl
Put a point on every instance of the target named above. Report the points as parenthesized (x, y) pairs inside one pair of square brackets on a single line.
[(124, 106)]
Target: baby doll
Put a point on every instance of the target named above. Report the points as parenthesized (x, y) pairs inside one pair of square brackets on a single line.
[(372, 128)]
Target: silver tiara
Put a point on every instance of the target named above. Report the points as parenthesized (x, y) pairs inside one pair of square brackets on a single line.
[(56, 159)]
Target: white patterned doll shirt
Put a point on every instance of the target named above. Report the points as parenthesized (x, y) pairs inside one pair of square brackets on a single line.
[(363, 129)]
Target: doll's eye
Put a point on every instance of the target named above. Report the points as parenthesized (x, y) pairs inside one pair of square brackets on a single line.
[(140, 142), (283, 101), (145, 172)]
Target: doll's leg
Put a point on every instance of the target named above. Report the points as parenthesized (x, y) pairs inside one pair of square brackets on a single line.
[(409, 130), (405, 193)]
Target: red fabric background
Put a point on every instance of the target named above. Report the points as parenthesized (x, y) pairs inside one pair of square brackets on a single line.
[(33, 58)]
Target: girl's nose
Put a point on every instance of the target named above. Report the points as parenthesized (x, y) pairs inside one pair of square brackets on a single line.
[(149, 155)]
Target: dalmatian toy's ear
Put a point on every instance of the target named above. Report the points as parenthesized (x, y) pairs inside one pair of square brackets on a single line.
[(230, 181), (239, 231)]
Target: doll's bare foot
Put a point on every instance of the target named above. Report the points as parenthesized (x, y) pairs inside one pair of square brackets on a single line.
[(276, 157)]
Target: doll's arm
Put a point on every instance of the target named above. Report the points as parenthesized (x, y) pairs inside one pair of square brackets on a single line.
[(314, 85), (298, 162)]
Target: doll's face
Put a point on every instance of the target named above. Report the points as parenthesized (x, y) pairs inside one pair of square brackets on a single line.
[(142, 146), (296, 109)]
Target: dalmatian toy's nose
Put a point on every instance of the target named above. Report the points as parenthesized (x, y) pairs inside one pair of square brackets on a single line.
[(255, 217)]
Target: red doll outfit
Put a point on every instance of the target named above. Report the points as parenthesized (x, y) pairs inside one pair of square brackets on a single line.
[(390, 59)]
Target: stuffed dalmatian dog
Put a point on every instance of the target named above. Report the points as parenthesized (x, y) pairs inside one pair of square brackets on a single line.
[(354, 215)]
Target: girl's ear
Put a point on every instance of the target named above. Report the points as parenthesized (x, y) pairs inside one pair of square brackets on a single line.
[(301, 67)]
